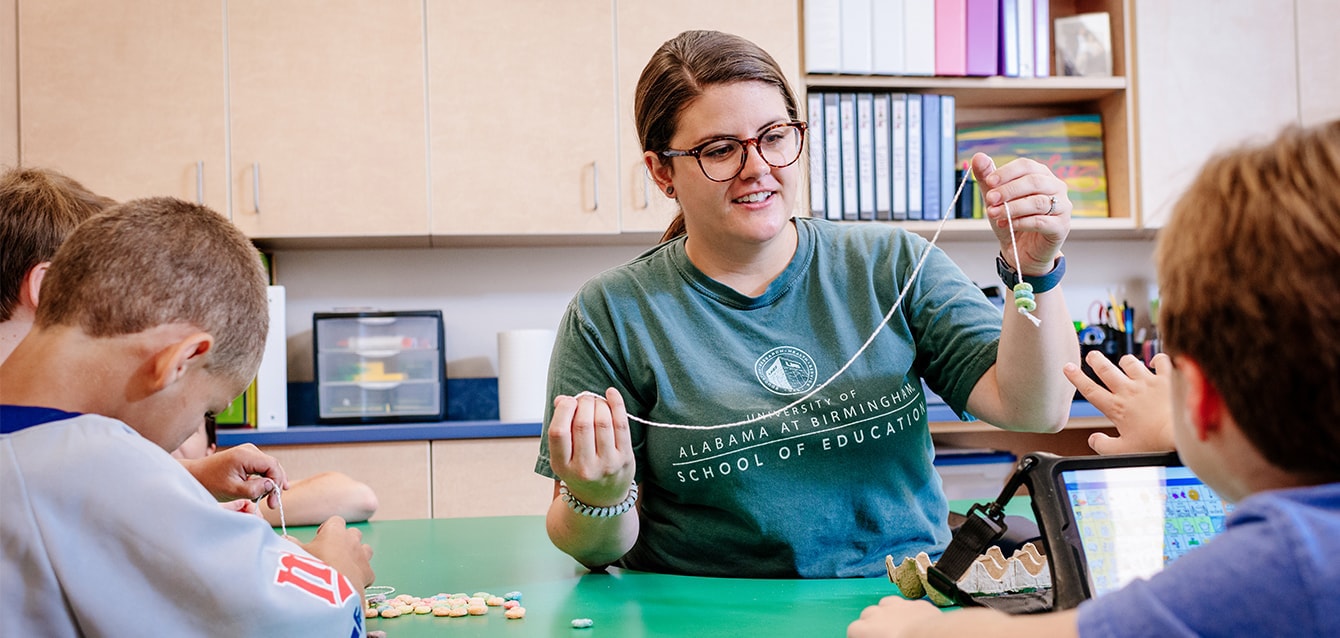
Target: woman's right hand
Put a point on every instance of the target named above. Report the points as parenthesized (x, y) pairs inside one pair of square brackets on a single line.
[(590, 448)]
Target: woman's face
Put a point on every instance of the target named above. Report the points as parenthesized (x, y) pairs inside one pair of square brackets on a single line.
[(758, 203)]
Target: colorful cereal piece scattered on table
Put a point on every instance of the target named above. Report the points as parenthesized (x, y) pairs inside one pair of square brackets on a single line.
[(477, 600), (481, 594), (441, 611), (457, 612), (508, 604), (512, 595), (582, 623), (514, 613), (390, 612), (477, 610), (376, 634), (423, 609), (494, 601)]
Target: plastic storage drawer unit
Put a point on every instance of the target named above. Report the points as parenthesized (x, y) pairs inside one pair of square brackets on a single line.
[(379, 367)]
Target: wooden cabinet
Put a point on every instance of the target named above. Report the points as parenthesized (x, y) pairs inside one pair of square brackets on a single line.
[(9, 84), (521, 99), (992, 99), (127, 97), (326, 122), (327, 114), (399, 472), (1210, 75), (642, 28), (1318, 59), (488, 477)]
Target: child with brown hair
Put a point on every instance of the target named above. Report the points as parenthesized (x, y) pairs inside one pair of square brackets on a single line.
[(1249, 273), (153, 314)]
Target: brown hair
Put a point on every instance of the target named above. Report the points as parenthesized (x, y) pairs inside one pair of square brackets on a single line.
[(38, 209), (1249, 270), (152, 262), (681, 70)]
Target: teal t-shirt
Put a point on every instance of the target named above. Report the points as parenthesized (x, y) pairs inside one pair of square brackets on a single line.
[(826, 488)]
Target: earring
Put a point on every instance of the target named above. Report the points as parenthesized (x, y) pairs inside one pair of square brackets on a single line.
[(669, 191)]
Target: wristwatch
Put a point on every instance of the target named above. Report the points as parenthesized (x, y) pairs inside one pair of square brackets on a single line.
[(1041, 283)]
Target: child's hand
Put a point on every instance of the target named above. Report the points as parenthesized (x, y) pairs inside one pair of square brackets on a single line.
[(243, 506), (894, 616), (1138, 402), (343, 548), (239, 472)]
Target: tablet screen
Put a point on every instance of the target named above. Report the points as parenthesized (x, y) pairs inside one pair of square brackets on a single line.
[(1134, 520)]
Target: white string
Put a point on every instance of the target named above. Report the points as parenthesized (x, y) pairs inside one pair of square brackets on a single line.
[(1018, 265), (279, 498), (897, 302)]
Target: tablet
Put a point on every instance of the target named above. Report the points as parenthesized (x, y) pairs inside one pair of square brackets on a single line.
[(1132, 521), (1108, 520)]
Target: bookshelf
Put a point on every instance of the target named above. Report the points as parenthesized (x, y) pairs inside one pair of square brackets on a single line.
[(997, 98)]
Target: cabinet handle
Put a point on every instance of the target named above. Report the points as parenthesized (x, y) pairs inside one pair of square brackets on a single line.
[(200, 182), (256, 186), (595, 188)]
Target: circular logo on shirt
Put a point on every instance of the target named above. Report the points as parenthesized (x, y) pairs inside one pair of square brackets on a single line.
[(786, 370)]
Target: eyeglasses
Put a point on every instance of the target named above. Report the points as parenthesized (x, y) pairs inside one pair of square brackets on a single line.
[(724, 157)]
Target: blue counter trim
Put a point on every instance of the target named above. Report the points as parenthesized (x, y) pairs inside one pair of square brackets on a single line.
[(447, 430)]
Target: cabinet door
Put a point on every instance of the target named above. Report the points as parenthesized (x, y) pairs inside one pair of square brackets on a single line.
[(643, 27), (9, 84), (328, 127), (125, 97), (521, 100), (1318, 59), (1209, 75)]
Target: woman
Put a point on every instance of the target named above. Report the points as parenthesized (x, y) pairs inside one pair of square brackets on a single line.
[(746, 309)]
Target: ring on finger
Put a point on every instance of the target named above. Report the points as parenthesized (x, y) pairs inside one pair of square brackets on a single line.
[(1052, 208)]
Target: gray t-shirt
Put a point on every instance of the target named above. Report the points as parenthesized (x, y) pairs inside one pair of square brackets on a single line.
[(105, 534), (835, 483)]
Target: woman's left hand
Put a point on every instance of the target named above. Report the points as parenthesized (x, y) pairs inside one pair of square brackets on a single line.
[(1039, 209)]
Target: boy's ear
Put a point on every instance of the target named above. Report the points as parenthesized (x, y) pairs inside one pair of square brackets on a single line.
[(31, 287), (171, 363), (1204, 403)]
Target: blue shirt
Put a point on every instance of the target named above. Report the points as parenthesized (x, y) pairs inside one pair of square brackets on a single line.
[(1273, 571)]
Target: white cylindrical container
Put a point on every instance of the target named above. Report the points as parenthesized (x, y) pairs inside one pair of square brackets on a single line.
[(523, 370)]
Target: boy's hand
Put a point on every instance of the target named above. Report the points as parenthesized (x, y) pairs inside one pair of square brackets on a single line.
[(892, 617), (239, 472), (243, 506), (1138, 402), (343, 548)]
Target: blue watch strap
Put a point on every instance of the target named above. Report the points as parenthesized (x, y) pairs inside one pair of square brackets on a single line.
[(1040, 284)]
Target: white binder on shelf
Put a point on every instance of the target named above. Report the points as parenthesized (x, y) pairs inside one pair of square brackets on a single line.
[(272, 377)]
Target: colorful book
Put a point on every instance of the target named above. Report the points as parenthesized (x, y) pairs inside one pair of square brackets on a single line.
[(983, 39), (951, 31), (1071, 146)]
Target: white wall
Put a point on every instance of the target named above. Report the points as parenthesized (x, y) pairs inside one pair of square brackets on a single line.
[(482, 291)]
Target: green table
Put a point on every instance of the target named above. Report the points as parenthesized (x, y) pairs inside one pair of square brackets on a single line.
[(503, 554)]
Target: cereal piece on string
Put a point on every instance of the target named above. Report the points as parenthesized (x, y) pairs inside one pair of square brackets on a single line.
[(1023, 291)]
